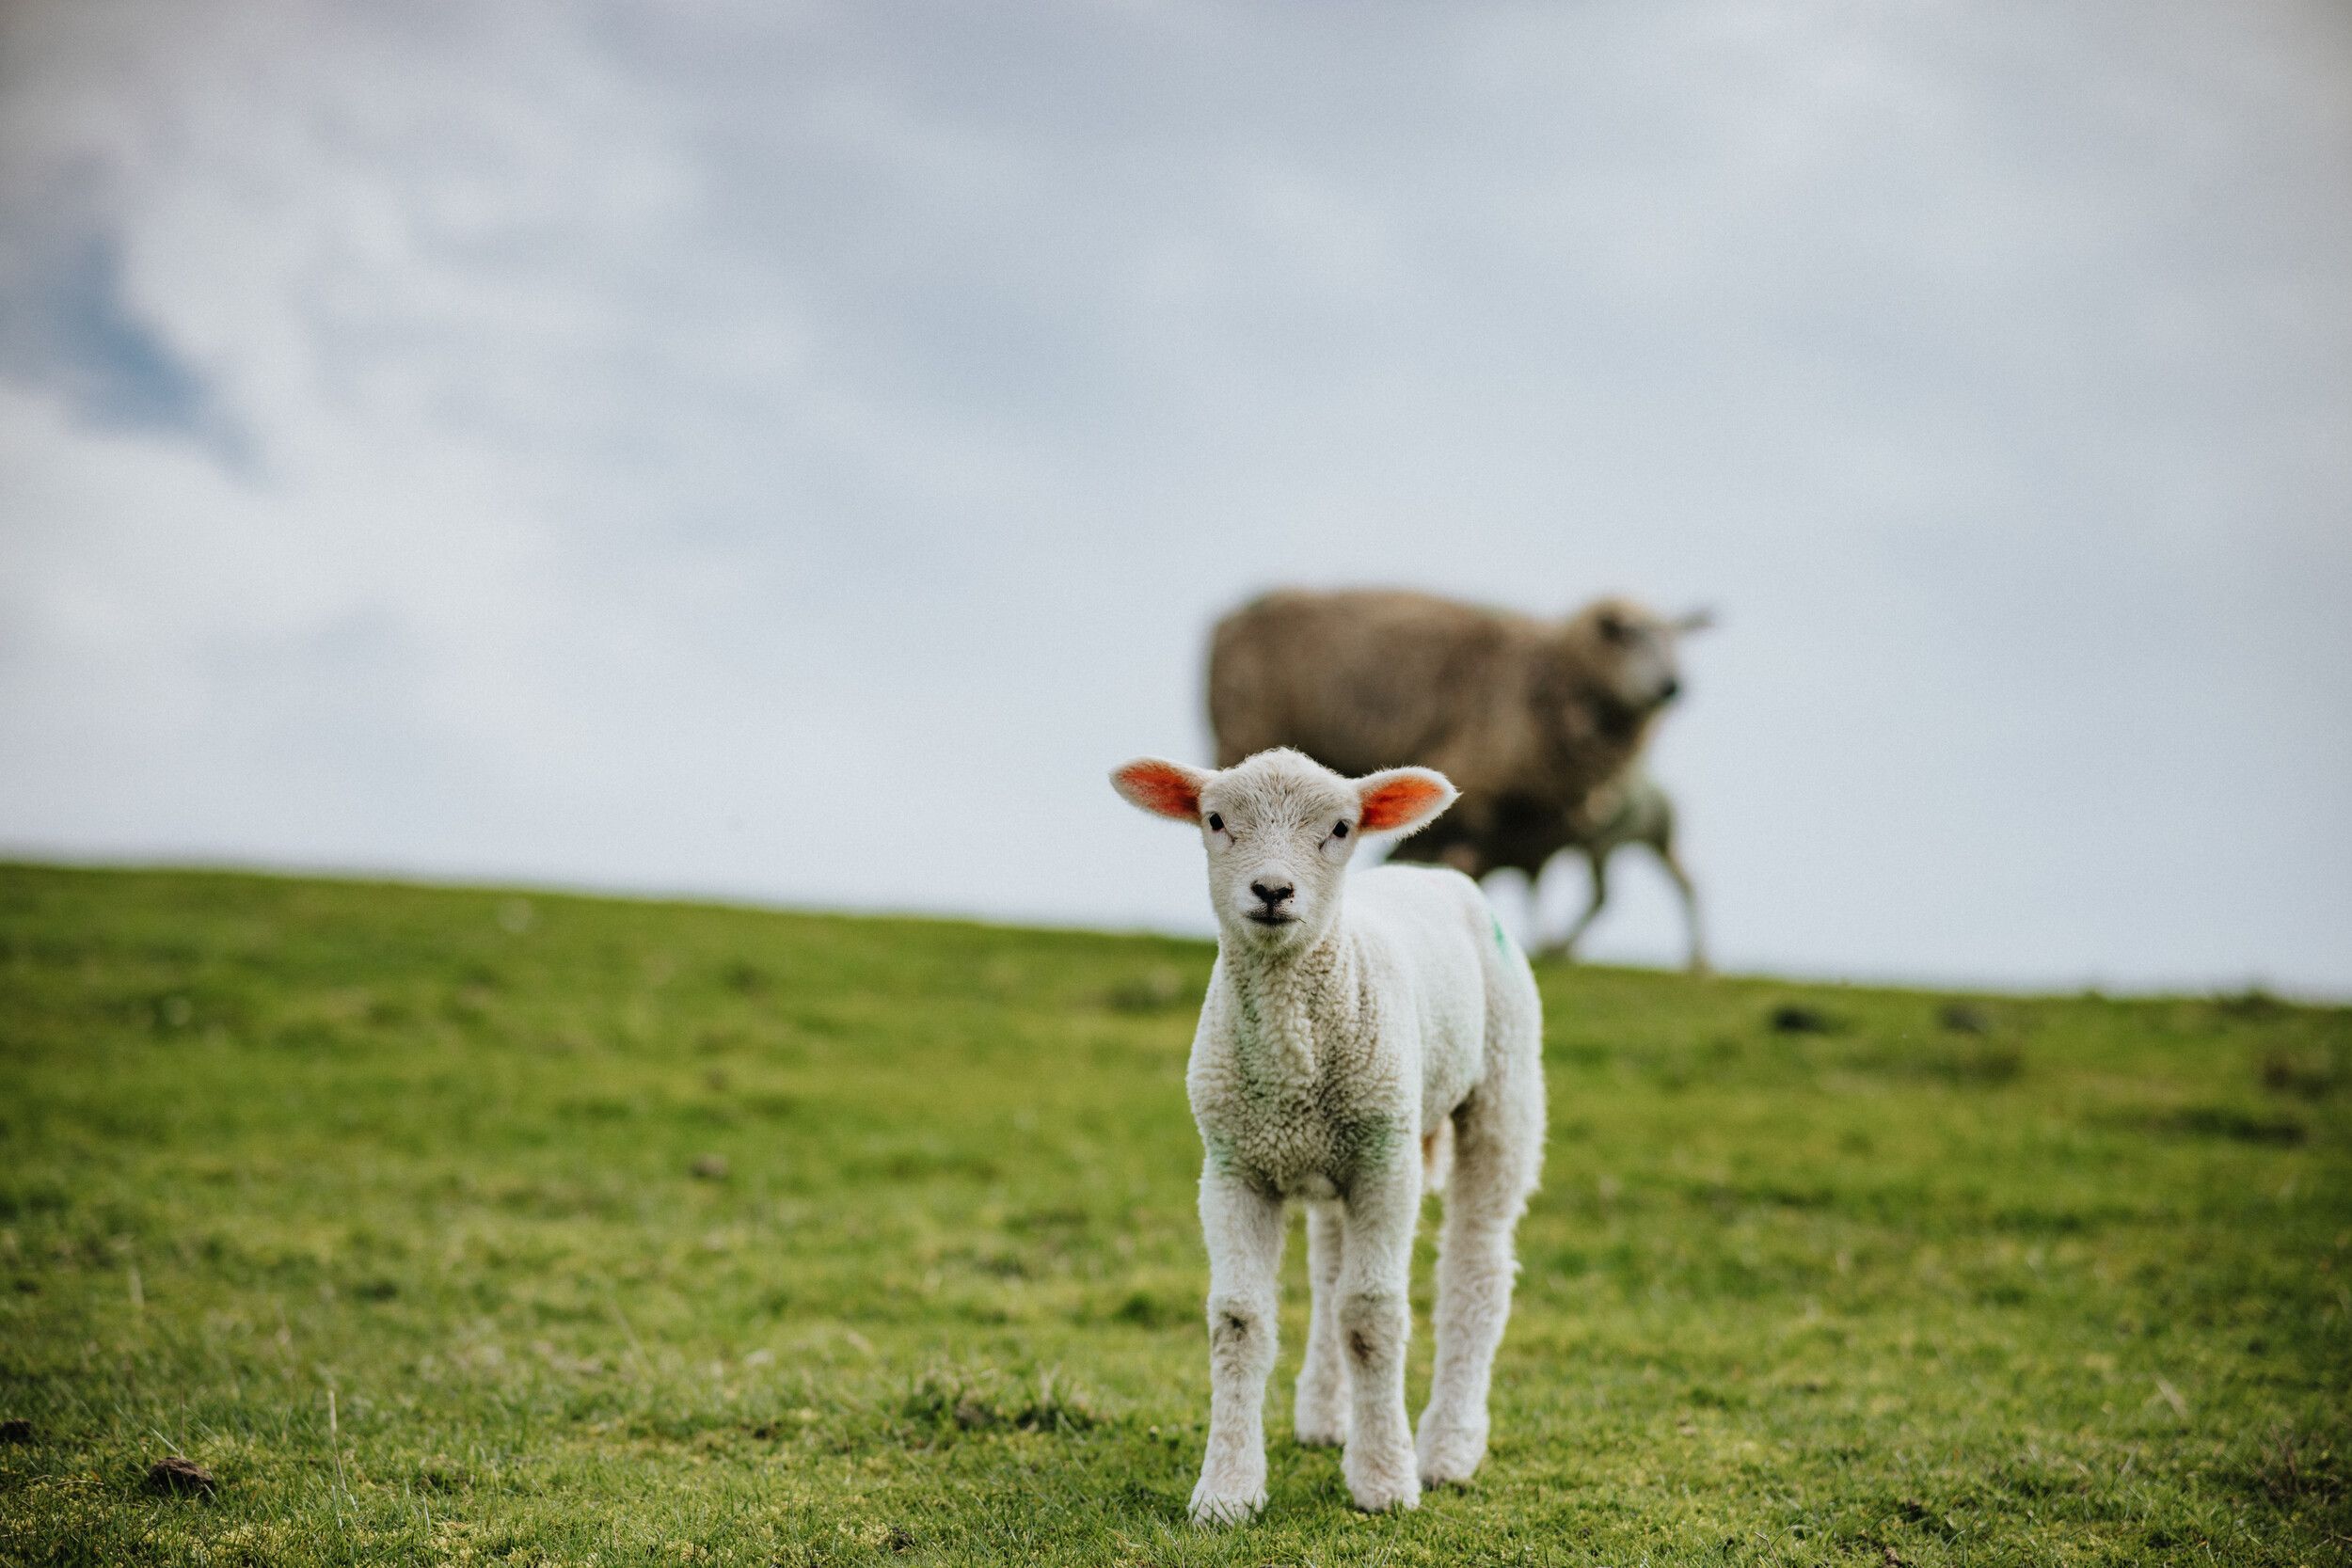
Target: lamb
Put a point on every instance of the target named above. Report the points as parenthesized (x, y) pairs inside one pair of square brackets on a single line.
[(1635, 809), (1342, 1047), (1533, 718)]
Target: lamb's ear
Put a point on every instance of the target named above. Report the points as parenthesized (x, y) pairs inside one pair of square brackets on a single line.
[(1163, 788), (1405, 797), (1698, 620)]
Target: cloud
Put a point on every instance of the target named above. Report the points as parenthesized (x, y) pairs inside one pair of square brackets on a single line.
[(70, 329), (792, 453)]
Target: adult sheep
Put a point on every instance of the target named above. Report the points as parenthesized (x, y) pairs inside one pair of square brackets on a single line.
[(1533, 719)]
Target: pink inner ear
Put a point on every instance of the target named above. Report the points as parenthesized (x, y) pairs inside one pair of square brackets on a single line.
[(1156, 786), (1399, 801)]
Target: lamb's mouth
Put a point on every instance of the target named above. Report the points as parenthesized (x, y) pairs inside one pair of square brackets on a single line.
[(1271, 917)]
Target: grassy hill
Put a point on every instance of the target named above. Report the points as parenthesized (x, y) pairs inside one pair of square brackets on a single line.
[(469, 1228)]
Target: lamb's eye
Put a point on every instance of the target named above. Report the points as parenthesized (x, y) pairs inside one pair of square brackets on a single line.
[(1217, 823), (1340, 831)]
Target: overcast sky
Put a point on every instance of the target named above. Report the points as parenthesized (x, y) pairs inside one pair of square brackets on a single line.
[(792, 451)]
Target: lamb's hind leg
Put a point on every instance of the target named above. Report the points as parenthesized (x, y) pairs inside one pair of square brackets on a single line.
[(1690, 907), (1322, 1408), (1498, 1145), (1566, 946)]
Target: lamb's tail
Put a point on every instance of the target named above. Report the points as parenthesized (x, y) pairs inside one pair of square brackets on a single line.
[(1436, 1155)]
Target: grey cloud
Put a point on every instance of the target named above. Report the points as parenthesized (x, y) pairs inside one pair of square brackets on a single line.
[(68, 326), (842, 424)]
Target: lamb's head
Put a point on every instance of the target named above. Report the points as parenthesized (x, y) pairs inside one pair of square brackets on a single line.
[(1279, 829), (1630, 652)]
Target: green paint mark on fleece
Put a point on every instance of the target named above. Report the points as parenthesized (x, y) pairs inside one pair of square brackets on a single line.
[(1502, 943)]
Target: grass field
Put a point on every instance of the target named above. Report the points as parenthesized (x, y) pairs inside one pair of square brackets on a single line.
[(468, 1228)]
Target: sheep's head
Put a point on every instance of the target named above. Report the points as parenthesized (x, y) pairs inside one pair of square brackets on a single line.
[(1279, 829), (1634, 652)]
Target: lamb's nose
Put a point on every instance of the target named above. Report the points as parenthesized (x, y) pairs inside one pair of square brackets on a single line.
[(1271, 894), (1673, 689)]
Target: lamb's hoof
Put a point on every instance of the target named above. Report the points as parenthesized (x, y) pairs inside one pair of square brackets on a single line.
[(1320, 1425), (1378, 1488), (1212, 1509), (1382, 1498), (1450, 1455)]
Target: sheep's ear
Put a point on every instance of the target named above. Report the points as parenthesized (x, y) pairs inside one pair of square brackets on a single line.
[(1405, 797), (1698, 620), (1163, 788)]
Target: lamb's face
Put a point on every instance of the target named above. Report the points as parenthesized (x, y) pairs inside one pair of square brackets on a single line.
[(1280, 829)]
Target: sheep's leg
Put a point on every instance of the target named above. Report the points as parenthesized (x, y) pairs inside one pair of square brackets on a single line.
[(1497, 1144), (1374, 1318), (1243, 1231), (1690, 907), (1322, 1408), (1566, 946)]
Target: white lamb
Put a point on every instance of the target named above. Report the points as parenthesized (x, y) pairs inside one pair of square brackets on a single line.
[(1336, 1047)]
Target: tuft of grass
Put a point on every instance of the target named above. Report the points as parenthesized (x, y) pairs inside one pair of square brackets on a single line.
[(1802, 1018), (1154, 989), (442, 1225), (2290, 1467), (2312, 1074), (2228, 1121), (1965, 1017), (946, 1398)]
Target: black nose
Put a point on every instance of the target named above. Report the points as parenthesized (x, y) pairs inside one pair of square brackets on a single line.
[(1673, 689), (1270, 896)]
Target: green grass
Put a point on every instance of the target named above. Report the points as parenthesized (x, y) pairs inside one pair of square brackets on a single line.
[(458, 1226)]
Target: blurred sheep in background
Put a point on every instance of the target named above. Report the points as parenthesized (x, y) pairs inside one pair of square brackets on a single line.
[(1541, 723)]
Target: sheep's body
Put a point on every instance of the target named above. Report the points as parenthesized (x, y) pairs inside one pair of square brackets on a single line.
[(1527, 717), (1540, 723), (1313, 1067), (1338, 1048)]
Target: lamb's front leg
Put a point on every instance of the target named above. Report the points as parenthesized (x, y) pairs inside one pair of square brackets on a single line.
[(1374, 1318), (1244, 1231)]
